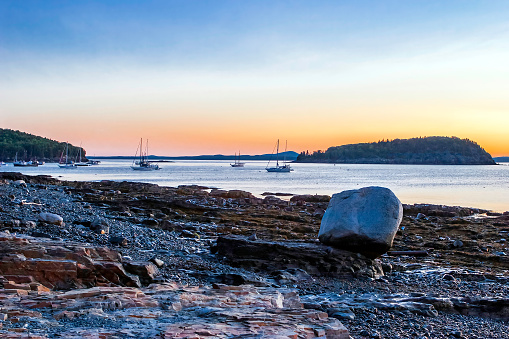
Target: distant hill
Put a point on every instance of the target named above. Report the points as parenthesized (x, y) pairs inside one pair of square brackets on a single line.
[(32, 147), (426, 150), (288, 156), (501, 159)]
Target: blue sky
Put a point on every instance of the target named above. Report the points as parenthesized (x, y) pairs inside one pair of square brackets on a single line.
[(274, 69)]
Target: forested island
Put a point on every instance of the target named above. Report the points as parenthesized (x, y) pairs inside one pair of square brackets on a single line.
[(31, 147), (423, 150)]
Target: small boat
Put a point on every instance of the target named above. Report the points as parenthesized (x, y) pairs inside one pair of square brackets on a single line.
[(285, 168), (2, 163), (65, 162), (81, 162), (142, 164), (22, 163), (236, 162)]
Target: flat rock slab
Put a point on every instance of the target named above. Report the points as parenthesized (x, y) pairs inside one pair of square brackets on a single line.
[(315, 258), (168, 311)]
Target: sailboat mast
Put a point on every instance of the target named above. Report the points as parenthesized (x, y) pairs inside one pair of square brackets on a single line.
[(277, 154), (284, 157), (146, 151), (141, 150)]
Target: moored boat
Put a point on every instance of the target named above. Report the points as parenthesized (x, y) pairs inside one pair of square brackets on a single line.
[(236, 161), (80, 162), (64, 161), (142, 164), (285, 168)]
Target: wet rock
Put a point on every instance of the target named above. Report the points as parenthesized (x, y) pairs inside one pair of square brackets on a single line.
[(363, 221), (310, 198), (343, 313)]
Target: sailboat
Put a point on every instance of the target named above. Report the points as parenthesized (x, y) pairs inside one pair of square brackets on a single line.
[(142, 164), (80, 162), (285, 168), (65, 162), (236, 162)]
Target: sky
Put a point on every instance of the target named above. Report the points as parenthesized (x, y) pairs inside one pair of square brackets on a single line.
[(219, 77)]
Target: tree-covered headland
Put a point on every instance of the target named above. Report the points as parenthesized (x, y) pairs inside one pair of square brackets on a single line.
[(32, 147), (423, 150)]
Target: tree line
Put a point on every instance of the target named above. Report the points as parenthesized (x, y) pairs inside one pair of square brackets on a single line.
[(31, 147), (422, 150)]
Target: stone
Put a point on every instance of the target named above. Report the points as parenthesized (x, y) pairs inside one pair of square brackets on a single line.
[(20, 183), (100, 226), (51, 218), (363, 221), (120, 241), (157, 262), (458, 243), (147, 271)]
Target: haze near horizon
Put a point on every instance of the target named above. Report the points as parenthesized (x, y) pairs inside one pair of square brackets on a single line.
[(205, 77)]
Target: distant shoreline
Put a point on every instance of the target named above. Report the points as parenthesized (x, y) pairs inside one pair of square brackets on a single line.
[(288, 156)]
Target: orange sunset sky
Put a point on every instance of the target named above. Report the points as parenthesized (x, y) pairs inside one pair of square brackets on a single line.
[(218, 77)]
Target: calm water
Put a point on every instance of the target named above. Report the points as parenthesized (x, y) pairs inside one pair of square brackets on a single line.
[(472, 186)]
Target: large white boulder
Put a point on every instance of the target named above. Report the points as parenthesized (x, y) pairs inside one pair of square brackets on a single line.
[(363, 221)]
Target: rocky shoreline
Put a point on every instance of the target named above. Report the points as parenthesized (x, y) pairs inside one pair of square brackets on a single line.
[(139, 260)]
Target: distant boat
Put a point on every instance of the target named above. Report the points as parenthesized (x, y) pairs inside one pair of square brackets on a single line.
[(64, 161), (21, 163), (2, 163), (236, 162), (142, 164), (285, 168)]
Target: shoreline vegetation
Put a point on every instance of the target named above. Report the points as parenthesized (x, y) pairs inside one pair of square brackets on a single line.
[(427, 150), (422, 151), (29, 147), (126, 258)]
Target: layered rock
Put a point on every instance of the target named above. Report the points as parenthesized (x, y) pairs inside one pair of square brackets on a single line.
[(363, 221), (166, 311), (59, 265), (314, 258)]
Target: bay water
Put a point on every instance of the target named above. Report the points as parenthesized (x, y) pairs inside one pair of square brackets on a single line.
[(477, 186)]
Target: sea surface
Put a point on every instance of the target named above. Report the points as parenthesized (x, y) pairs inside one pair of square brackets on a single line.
[(484, 187)]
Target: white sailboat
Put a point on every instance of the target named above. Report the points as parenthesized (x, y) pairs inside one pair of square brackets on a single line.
[(81, 162), (285, 168), (65, 162), (236, 162), (142, 164)]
